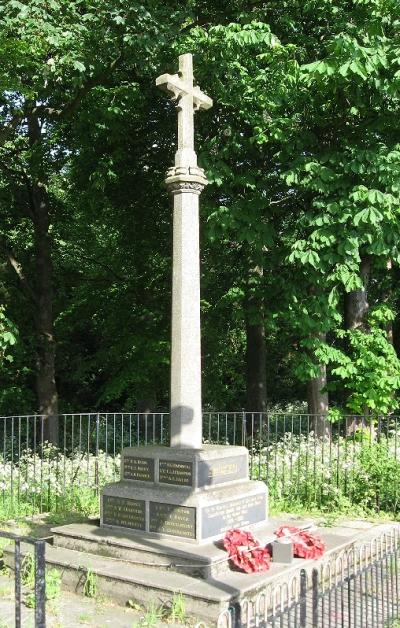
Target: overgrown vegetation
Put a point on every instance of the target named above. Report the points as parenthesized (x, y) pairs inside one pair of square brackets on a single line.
[(300, 238), (349, 474)]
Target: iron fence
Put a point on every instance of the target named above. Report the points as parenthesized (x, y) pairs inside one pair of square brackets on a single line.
[(305, 460), (356, 588), (39, 566)]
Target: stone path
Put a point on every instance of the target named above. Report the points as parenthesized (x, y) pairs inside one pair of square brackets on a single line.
[(72, 611)]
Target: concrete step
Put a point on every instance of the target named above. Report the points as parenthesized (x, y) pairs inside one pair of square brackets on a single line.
[(201, 561), (121, 580)]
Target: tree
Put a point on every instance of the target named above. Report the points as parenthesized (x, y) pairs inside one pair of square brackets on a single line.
[(53, 55)]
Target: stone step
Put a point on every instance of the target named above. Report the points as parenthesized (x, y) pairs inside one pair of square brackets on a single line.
[(121, 581), (201, 561)]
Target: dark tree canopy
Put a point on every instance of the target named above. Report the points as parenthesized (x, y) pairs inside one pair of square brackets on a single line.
[(300, 222)]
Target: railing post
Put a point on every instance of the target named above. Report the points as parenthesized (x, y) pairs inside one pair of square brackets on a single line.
[(244, 428), (40, 584), (303, 598), (315, 598), (17, 558), (96, 459)]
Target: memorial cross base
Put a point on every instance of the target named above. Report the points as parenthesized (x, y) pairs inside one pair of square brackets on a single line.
[(194, 496)]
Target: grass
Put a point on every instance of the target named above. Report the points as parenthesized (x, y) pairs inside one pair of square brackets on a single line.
[(90, 586), (152, 617)]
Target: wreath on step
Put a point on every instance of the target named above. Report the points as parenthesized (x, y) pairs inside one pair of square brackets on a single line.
[(305, 544), (246, 553)]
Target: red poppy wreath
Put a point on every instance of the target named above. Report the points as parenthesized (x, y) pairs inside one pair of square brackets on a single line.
[(305, 544), (245, 551)]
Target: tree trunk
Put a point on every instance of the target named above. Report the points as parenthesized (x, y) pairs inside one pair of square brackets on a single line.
[(256, 390), (355, 302), (355, 311), (46, 345), (256, 367), (318, 402)]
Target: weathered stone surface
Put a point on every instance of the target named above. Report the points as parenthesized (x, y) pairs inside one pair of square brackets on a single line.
[(124, 512), (204, 598), (237, 513), (138, 468), (175, 472), (189, 491), (209, 466), (185, 181), (189, 99), (177, 511)]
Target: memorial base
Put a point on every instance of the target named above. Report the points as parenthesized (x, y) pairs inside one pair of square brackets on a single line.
[(188, 495)]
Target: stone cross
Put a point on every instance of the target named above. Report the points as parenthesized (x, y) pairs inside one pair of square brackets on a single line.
[(188, 99), (185, 181)]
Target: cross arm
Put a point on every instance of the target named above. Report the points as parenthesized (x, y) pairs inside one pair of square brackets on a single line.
[(172, 84), (200, 100)]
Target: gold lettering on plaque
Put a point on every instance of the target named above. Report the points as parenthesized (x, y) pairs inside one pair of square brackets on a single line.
[(235, 514), (172, 472), (123, 512), (138, 469), (222, 469), (171, 519)]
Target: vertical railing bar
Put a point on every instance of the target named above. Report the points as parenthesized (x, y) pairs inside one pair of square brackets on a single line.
[(19, 463), (315, 598), (382, 590), (26, 466), (42, 419), (12, 465), (65, 450), (88, 451), (114, 442), (40, 584), (303, 598), (17, 584)]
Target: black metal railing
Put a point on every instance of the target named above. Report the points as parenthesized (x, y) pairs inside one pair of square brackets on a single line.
[(306, 460), (358, 588), (39, 567)]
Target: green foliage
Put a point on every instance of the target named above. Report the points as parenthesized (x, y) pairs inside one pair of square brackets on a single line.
[(64, 485), (52, 577), (302, 150), (349, 475), (28, 570), (369, 371), (350, 472), (8, 337), (90, 587), (177, 612)]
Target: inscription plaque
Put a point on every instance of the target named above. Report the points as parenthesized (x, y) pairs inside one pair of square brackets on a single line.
[(138, 469), (174, 520), (212, 472), (176, 472), (124, 512), (238, 513)]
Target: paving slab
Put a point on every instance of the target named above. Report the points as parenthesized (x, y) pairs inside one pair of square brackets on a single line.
[(73, 611)]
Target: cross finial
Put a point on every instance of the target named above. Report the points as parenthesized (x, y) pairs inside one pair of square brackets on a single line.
[(189, 99)]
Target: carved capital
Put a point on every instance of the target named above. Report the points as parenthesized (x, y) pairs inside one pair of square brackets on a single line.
[(185, 186), (186, 179)]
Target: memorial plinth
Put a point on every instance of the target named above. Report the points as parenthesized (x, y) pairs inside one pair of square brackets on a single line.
[(192, 495)]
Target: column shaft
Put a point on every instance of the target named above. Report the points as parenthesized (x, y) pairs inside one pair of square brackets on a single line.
[(186, 419)]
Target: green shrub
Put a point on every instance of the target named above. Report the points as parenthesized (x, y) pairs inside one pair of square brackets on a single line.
[(358, 473)]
